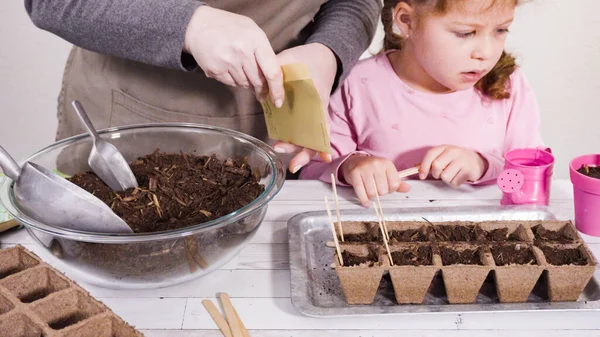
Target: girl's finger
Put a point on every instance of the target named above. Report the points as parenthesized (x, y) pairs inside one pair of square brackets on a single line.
[(428, 159), (404, 187), (461, 177), (370, 188), (450, 172), (381, 183), (393, 180), (359, 188)]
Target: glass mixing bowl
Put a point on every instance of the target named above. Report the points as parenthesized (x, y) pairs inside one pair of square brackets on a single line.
[(152, 260)]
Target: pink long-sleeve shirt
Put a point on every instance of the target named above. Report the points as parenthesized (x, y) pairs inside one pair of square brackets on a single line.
[(374, 112)]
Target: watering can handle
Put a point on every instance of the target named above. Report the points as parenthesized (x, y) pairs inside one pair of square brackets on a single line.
[(85, 119), (9, 165), (543, 148)]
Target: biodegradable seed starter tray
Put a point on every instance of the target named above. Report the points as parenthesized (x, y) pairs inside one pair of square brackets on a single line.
[(459, 260), (37, 300)]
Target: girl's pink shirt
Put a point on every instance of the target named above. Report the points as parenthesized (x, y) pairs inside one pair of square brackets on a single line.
[(374, 112)]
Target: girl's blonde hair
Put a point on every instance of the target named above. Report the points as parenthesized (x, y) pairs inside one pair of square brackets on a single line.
[(494, 85)]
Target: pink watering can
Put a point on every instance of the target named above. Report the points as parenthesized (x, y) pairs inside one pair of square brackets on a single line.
[(526, 177)]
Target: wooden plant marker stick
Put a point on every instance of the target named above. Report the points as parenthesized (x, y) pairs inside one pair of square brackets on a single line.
[(387, 248), (335, 239), (408, 172), (242, 326), (237, 316), (190, 259), (337, 207), (193, 245), (234, 323), (217, 317), (387, 235), (4, 226)]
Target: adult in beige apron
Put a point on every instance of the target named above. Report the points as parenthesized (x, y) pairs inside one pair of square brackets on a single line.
[(117, 91)]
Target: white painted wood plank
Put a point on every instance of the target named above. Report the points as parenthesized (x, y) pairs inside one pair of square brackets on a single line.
[(282, 211), (311, 189), (266, 314), (279, 314), (587, 320), (236, 283), (261, 256), (379, 333), (16, 235), (271, 232), (149, 313)]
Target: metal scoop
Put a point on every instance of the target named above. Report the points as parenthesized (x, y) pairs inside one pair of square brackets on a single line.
[(46, 197), (105, 160)]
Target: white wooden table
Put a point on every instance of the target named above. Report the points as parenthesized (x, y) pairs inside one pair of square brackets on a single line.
[(258, 280)]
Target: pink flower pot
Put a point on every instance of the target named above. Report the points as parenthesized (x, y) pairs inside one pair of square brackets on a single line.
[(586, 195)]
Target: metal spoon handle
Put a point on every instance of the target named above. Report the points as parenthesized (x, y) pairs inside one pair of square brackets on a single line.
[(9, 165), (85, 119)]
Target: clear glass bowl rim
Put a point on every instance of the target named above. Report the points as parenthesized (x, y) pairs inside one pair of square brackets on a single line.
[(271, 189)]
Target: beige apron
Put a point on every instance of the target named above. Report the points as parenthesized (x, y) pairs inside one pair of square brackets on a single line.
[(118, 92)]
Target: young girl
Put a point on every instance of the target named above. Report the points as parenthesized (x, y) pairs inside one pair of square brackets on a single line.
[(444, 95)]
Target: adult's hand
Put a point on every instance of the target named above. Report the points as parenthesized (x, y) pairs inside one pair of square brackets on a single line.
[(234, 50), (322, 64)]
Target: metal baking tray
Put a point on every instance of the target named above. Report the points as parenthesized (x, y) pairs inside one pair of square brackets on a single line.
[(316, 290)]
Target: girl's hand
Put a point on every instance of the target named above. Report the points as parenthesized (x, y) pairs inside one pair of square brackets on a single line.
[(370, 176), (452, 164)]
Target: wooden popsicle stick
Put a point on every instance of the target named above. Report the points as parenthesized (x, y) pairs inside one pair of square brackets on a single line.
[(335, 239), (387, 235), (408, 172), (242, 326), (387, 248), (337, 207), (232, 319), (8, 225), (217, 317), (237, 316)]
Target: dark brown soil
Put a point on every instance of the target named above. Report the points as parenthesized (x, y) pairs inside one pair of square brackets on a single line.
[(512, 254), (451, 256), (372, 234), (561, 257), (456, 233), (355, 260), (590, 171), (541, 234), (177, 190), (501, 235), (417, 256), (408, 235)]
